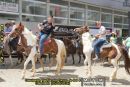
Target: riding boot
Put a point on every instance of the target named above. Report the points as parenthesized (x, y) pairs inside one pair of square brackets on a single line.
[(97, 57)]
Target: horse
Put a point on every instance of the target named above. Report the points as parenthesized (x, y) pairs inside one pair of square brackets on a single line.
[(72, 48), (114, 53), (6, 50), (54, 46)]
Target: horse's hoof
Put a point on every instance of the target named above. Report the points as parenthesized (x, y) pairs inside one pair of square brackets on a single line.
[(32, 75), (31, 70), (23, 77), (111, 79), (56, 73), (89, 76)]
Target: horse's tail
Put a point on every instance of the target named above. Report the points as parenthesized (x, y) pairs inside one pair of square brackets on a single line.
[(126, 60), (63, 56)]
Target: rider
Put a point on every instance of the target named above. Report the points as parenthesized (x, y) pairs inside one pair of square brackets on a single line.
[(8, 29), (46, 28), (101, 39), (13, 42)]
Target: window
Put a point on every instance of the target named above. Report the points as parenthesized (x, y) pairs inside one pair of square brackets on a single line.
[(106, 10), (33, 8), (106, 18), (60, 21), (33, 18), (59, 2), (93, 8), (77, 14), (125, 20), (9, 17), (109, 25), (77, 5), (59, 11), (95, 16), (91, 23), (118, 25), (117, 19), (76, 22)]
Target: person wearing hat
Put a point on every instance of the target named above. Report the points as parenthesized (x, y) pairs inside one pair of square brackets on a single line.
[(113, 38), (7, 29)]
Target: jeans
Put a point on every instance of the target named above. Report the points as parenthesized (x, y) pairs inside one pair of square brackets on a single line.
[(43, 37), (13, 43), (97, 45), (127, 48)]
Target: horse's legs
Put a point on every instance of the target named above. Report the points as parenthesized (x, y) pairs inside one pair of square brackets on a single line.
[(73, 58), (58, 65), (11, 61), (52, 60), (79, 57), (115, 64), (41, 62), (35, 59), (88, 60), (66, 60), (25, 65), (33, 66)]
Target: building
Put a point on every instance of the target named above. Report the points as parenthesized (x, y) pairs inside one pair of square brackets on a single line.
[(68, 12)]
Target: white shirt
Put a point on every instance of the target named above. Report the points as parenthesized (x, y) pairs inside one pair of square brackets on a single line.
[(102, 32)]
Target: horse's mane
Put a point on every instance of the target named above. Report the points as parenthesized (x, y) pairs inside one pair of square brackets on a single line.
[(31, 38)]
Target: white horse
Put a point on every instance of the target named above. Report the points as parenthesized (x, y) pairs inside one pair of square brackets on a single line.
[(87, 50), (32, 41)]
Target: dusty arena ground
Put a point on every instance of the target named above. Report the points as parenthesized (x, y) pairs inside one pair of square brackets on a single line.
[(11, 77)]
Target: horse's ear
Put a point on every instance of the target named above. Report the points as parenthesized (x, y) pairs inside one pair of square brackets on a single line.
[(20, 24)]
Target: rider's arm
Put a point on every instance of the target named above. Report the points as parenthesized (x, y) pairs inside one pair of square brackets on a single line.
[(102, 31), (40, 26)]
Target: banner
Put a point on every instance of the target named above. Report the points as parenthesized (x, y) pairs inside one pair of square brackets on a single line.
[(8, 7)]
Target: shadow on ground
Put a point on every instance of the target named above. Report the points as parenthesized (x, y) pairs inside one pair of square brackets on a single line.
[(2, 80), (115, 82)]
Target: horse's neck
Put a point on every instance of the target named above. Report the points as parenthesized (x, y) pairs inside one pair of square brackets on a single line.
[(30, 37), (23, 41), (86, 39)]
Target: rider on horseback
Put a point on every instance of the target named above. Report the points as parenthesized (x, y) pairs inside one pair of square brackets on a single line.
[(101, 39), (46, 28), (10, 26)]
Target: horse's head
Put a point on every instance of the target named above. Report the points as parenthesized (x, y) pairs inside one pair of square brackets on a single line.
[(82, 30), (18, 30)]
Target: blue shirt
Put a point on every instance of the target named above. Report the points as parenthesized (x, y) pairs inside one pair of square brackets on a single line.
[(7, 30)]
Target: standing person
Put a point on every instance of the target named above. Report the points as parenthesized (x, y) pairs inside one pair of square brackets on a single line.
[(113, 38), (46, 28), (101, 39), (127, 43)]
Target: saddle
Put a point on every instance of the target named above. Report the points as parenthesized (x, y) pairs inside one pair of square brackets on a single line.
[(105, 45), (50, 47)]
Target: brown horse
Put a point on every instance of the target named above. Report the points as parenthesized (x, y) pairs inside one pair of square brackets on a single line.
[(54, 46), (114, 53), (72, 49)]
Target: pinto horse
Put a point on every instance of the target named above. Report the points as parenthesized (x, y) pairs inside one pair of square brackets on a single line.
[(55, 47), (114, 53), (6, 50)]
